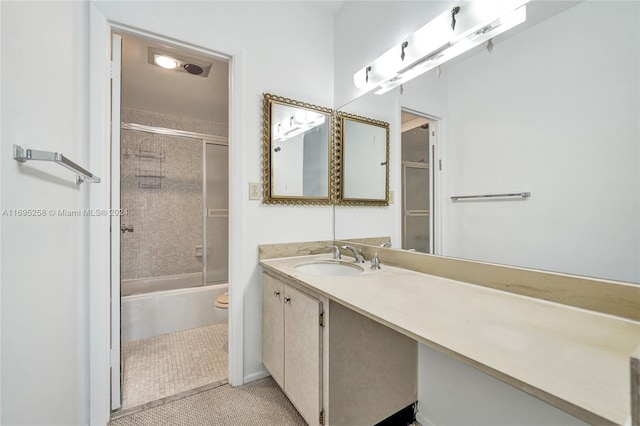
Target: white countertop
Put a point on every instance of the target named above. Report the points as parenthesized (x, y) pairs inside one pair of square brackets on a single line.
[(577, 356)]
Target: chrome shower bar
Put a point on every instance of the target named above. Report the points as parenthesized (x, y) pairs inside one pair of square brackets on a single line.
[(23, 155), (509, 195)]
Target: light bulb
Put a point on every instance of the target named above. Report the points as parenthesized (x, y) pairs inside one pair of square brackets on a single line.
[(166, 62)]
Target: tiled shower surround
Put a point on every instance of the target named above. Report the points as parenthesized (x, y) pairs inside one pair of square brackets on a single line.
[(166, 212)]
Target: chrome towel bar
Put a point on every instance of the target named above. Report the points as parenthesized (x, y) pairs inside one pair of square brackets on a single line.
[(513, 194), (23, 155)]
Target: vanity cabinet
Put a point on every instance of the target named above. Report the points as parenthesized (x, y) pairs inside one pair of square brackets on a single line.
[(292, 344), (349, 370)]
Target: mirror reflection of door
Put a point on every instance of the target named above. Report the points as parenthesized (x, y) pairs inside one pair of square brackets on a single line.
[(416, 183)]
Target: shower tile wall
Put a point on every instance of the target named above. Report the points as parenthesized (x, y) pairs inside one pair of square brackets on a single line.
[(149, 118), (167, 219)]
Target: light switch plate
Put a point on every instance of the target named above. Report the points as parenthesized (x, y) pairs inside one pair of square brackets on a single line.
[(254, 191), (391, 197)]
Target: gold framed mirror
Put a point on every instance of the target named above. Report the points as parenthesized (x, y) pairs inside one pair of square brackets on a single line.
[(362, 160), (297, 152)]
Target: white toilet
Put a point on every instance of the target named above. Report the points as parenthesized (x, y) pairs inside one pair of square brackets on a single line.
[(222, 301)]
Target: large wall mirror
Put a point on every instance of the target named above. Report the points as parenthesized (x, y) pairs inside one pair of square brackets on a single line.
[(362, 146), (297, 152), (547, 112)]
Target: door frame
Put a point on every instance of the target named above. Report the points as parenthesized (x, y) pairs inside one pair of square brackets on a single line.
[(436, 178), (100, 262), (115, 353)]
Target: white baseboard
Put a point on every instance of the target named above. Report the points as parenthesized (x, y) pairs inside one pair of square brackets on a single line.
[(256, 376), (423, 420)]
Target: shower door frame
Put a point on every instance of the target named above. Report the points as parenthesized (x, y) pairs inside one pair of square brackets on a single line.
[(406, 213), (206, 139), (437, 178), (220, 141)]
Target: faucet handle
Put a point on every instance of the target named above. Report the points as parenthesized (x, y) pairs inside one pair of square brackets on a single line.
[(336, 251), (375, 261)]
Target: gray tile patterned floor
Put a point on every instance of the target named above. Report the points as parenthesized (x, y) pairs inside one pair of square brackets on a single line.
[(180, 379), (260, 403), (169, 364)]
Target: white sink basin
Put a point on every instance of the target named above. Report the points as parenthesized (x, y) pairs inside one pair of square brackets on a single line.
[(329, 268)]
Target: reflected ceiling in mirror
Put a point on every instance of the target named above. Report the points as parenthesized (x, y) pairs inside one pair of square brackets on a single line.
[(297, 147), (362, 146)]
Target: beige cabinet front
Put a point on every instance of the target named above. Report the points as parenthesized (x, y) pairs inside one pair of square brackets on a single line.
[(292, 344), (273, 327)]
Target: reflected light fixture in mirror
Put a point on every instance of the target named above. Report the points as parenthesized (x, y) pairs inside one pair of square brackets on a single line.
[(299, 122), (449, 35)]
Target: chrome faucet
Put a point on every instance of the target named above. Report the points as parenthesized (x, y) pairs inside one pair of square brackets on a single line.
[(375, 261), (357, 253), (386, 244), (336, 251)]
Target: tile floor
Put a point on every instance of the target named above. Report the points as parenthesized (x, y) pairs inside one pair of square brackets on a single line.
[(260, 403), (181, 379), (170, 364)]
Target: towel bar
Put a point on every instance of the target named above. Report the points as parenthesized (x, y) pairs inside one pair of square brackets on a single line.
[(23, 155), (513, 194)]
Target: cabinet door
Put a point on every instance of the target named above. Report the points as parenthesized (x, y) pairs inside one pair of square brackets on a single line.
[(303, 353), (273, 327)]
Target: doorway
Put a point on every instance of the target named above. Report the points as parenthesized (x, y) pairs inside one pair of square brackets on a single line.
[(173, 188), (418, 181)]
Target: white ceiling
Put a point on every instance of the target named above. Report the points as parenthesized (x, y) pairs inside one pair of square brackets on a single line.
[(330, 6), (152, 88)]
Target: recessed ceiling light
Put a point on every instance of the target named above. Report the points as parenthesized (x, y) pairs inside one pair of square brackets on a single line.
[(178, 61), (165, 62)]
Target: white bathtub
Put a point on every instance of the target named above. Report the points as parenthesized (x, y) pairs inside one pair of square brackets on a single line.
[(153, 310)]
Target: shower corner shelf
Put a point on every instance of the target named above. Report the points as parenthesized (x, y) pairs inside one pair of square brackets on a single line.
[(149, 154), (149, 170), (148, 173)]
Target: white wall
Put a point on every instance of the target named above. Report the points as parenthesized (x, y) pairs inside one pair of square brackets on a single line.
[(45, 361), (2, 155), (289, 163), (599, 168), (453, 393)]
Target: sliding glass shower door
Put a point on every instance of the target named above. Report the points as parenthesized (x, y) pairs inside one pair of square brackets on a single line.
[(216, 213)]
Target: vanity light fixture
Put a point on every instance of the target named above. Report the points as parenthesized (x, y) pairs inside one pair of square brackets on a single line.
[(448, 35)]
